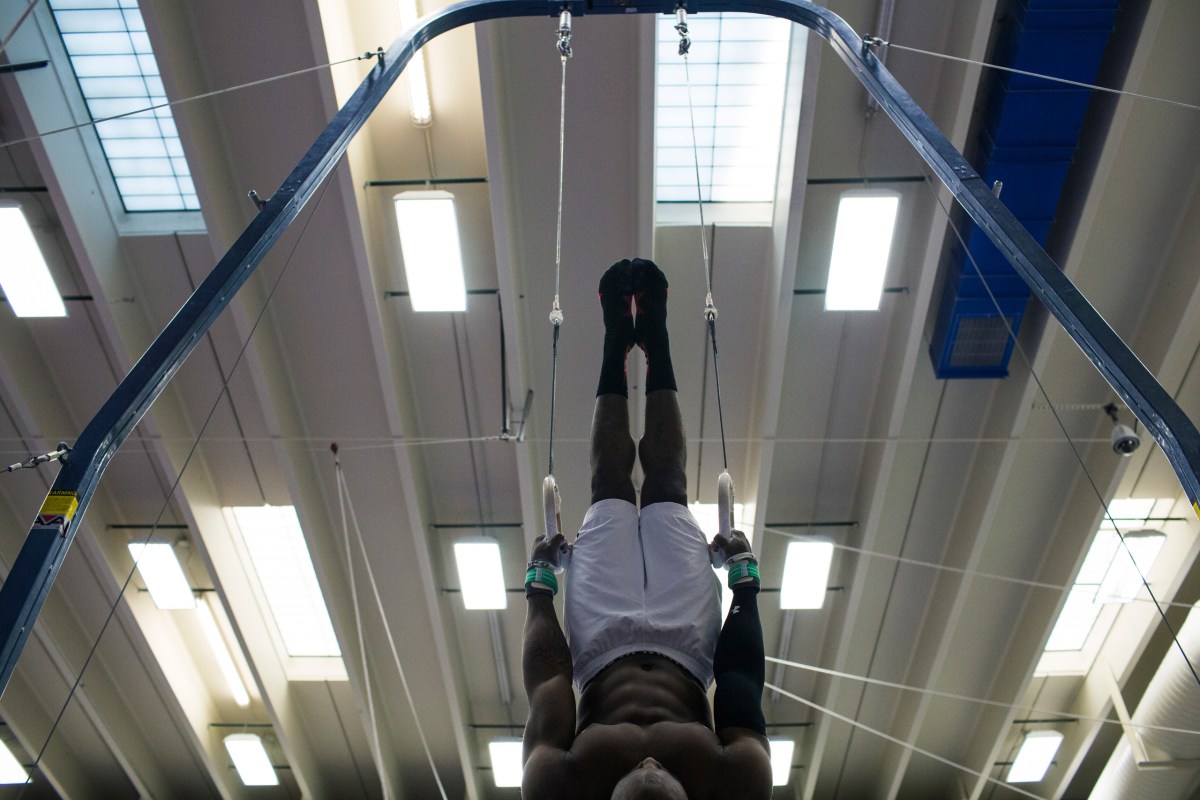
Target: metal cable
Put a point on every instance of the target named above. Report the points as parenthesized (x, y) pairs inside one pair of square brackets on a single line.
[(1066, 434), (167, 501), (343, 495), (20, 21), (1040, 76), (182, 100), (387, 628), (906, 745), (556, 316), (710, 311), (969, 699)]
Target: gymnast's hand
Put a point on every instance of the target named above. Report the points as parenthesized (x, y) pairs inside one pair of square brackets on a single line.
[(728, 547), (554, 552)]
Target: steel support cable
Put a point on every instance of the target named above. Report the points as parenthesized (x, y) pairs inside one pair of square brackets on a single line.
[(906, 745), (946, 568), (968, 699), (1066, 435), (182, 100), (17, 25), (710, 311), (1028, 74), (175, 485), (343, 494), (556, 316), (387, 627)]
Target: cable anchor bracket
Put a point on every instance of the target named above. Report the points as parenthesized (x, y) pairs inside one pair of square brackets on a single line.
[(681, 27), (564, 34), (60, 454)]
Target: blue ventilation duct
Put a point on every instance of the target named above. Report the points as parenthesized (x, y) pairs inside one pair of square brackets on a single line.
[(1026, 140)]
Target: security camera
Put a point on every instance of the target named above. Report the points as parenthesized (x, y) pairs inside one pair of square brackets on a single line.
[(1124, 440)]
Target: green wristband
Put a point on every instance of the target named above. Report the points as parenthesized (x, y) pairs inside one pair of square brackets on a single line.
[(740, 570), (543, 576)]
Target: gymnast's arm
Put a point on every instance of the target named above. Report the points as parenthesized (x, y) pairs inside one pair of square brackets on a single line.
[(546, 663), (740, 671)]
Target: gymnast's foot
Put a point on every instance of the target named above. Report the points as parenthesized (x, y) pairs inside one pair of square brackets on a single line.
[(616, 301), (650, 294)]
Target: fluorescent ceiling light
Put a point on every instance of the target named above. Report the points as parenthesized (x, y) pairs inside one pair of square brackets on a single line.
[(418, 81), (117, 73), (805, 574), (1123, 581), (24, 276), (250, 759), (285, 572), (420, 106), (1075, 621), (862, 241), (781, 760), (432, 257), (220, 651), (506, 761), (480, 574), (1035, 756), (164, 578), (11, 770), (737, 68), (1128, 509)]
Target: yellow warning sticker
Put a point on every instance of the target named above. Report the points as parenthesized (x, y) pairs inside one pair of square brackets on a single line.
[(60, 504), (1196, 506)]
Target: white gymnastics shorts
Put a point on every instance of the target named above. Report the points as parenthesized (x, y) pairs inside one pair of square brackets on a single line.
[(641, 584)]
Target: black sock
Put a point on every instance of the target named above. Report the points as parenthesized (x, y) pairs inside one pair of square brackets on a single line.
[(615, 298), (650, 293)]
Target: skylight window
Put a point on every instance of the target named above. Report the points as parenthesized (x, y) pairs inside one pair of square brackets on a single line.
[(117, 73), (1107, 576), (285, 572), (738, 72)]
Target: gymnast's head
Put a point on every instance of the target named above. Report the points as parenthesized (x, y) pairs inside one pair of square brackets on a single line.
[(649, 781)]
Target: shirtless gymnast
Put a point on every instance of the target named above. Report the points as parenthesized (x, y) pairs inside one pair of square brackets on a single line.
[(642, 608)]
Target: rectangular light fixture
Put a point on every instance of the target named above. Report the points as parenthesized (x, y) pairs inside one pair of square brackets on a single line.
[(220, 651), (862, 242), (430, 247), (284, 568), (24, 276), (507, 765), (1035, 756), (480, 574), (250, 759), (164, 578), (1123, 581), (11, 770), (781, 759), (420, 106), (805, 574)]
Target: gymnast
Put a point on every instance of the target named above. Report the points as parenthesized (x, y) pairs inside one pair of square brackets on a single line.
[(643, 639)]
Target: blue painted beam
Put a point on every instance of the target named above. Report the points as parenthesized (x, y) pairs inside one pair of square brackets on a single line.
[(50, 537)]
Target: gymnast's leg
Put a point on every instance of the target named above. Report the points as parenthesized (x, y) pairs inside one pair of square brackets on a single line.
[(612, 447), (663, 448)]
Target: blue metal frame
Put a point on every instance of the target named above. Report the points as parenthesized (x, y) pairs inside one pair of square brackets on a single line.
[(33, 573)]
